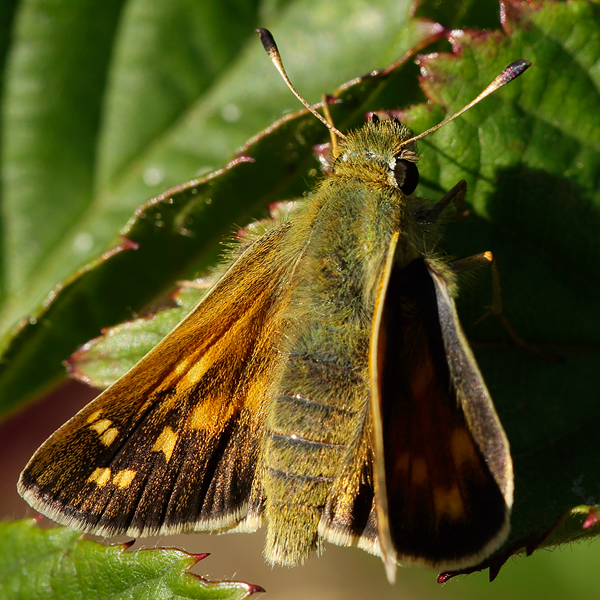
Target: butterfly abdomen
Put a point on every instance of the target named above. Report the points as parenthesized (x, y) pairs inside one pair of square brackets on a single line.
[(322, 389), (311, 422)]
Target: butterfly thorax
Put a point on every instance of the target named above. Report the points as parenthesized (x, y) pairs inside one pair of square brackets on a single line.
[(370, 169)]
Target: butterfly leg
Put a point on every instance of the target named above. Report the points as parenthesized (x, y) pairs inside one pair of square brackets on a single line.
[(486, 259), (457, 195)]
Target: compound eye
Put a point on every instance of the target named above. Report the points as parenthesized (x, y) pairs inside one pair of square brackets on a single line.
[(407, 176)]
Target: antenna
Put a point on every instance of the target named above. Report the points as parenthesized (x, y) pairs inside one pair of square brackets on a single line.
[(511, 72), (271, 48)]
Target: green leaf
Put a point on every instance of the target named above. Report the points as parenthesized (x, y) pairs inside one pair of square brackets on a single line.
[(59, 563), (463, 14)]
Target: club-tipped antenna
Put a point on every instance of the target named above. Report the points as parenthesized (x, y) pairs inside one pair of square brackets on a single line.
[(511, 72), (271, 48)]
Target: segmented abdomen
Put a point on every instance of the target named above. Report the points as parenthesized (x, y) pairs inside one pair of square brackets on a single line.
[(312, 419)]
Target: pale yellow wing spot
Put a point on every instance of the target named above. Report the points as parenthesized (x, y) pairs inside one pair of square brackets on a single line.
[(221, 410), (402, 463), (463, 450), (109, 436), (101, 426), (123, 478), (419, 473), (183, 366), (209, 412), (94, 416), (165, 442), (100, 477), (192, 370), (448, 503)]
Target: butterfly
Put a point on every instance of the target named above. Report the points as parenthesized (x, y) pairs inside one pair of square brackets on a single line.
[(323, 385)]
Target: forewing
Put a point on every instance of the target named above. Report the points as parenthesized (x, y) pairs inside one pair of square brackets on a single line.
[(173, 444), (443, 476)]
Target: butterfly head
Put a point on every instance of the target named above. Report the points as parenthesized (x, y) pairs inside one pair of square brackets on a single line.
[(378, 151)]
